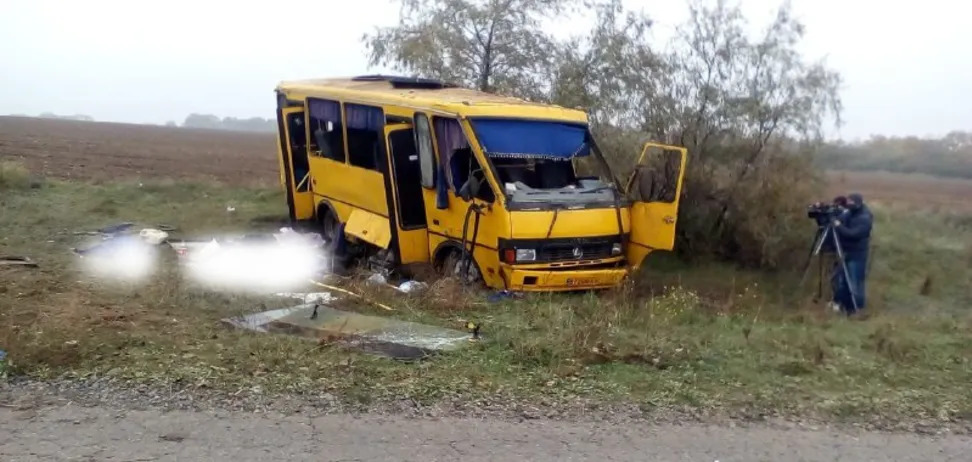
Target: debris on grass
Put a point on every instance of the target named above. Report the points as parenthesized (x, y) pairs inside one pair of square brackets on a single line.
[(17, 261), (307, 297), (377, 335), (355, 295), (409, 287)]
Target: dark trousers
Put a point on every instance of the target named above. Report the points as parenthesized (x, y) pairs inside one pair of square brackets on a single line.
[(857, 269)]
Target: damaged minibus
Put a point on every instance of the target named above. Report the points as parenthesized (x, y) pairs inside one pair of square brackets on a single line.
[(487, 188)]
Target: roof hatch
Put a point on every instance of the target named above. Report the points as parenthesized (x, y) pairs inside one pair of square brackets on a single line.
[(405, 82)]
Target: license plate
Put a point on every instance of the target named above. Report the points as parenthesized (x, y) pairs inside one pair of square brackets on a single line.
[(581, 282)]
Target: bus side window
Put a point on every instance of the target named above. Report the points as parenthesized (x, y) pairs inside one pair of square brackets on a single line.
[(423, 141), (366, 124), (326, 129), (464, 164)]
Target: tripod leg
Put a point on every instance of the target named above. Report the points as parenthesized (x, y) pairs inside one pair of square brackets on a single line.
[(820, 272), (814, 251), (847, 276)]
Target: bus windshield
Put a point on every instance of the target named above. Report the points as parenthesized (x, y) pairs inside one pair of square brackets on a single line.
[(534, 160)]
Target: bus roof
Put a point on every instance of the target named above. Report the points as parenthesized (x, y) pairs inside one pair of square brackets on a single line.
[(425, 94)]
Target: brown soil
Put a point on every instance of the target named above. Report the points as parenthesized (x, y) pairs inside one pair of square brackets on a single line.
[(943, 194), (101, 151)]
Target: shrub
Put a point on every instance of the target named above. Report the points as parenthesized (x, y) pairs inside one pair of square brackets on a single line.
[(13, 175)]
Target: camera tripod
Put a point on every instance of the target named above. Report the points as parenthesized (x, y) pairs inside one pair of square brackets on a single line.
[(823, 232)]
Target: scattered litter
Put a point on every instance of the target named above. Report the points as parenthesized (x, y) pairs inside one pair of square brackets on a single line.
[(184, 248), (412, 286), (311, 297), (348, 292), (230, 209), (17, 261), (377, 278), (153, 236), (500, 296)]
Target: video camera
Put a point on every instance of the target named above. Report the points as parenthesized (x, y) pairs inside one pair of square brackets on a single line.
[(825, 213)]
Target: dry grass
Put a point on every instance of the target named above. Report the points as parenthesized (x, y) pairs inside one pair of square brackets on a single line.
[(13, 175), (707, 336)]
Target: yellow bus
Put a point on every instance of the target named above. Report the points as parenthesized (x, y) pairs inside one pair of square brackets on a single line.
[(484, 187)]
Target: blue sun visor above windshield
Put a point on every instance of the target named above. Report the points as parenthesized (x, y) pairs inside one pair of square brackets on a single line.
[(531, 139)]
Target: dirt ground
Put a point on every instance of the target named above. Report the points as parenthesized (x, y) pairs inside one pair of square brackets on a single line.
[(88, 150), (945, 194), (69, 432)]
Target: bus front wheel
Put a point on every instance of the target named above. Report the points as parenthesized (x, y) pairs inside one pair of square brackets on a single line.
[(453, 265)]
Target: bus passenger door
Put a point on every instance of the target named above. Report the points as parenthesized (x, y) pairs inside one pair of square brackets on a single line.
[(295, 170), (654, 188), (413, 236)]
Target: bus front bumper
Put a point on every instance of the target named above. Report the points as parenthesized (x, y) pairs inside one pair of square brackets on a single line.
[(540, 280)]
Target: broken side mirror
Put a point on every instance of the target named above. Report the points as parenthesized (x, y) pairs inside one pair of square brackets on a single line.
[(469, 189)]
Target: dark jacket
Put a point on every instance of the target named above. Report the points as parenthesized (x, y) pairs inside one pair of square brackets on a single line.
[(855, 229)]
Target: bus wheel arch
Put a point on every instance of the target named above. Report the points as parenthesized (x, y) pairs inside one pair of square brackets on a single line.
[(449, 254)]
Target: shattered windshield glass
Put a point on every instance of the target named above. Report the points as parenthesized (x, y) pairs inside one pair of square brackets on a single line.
[(534, 160)]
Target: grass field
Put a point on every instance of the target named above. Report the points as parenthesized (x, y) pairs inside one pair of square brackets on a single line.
[(705, 339)]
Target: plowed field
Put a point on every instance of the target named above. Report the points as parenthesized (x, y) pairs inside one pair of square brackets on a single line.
[(102, 151)]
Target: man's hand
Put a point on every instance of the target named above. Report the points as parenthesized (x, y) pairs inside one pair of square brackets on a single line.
[(836, 223)]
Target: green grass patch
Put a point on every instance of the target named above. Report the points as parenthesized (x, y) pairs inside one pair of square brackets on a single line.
[(13, 175), (704, 337)]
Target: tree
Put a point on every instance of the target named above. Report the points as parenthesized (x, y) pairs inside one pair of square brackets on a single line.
[(949, 156), (747, 109), (612, 71), (491, 45), (750, 109), (202, 121)]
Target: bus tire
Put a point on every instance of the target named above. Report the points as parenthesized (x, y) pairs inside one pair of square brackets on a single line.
[(451, 266), (331, 230)]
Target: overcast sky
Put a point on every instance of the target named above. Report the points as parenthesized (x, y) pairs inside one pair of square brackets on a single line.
[(907, 66)]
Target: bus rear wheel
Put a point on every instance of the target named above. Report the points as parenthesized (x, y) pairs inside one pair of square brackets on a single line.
[(331, 231), (330, 227)]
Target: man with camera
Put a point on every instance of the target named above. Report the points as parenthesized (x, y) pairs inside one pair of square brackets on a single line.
[(853, 227)]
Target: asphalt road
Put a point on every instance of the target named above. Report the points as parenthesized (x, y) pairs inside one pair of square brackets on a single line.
[(97, 434)]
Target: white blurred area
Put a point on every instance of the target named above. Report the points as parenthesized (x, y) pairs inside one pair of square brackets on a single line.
[(125, 260), (281, 262), (284, 263)]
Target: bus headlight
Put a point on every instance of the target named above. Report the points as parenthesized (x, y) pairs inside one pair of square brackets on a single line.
[(526, 254), (616, 249)]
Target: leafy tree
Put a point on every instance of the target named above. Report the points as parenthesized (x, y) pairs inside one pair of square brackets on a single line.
[(750, 109), (491, 45), (949, 156), (613, 71), (209, 121)]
